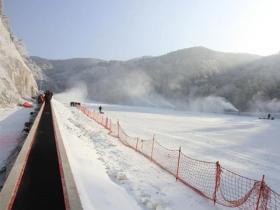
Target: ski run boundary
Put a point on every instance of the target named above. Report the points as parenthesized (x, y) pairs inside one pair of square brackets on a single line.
[(209, 179)]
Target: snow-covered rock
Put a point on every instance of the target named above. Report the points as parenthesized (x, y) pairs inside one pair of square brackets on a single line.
[(16, 78)]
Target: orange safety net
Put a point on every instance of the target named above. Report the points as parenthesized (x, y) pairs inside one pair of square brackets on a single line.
[(208, 179)]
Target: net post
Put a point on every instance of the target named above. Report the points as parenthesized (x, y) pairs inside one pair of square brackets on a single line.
[(217, 181), (136, 147), (178, 164), (260, 193), (106, 124), (118, 125), (153, 147)]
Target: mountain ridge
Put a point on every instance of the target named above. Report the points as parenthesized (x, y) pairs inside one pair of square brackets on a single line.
[(175, 79)]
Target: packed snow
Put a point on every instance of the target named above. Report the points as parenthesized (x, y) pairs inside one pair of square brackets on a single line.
[(11, 125), (112, 176), (244, 144)]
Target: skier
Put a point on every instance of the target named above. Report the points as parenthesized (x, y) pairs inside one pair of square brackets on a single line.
[(100, 109)]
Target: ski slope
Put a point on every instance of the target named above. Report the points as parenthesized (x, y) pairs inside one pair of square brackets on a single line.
[(244, 144), (112, 176)]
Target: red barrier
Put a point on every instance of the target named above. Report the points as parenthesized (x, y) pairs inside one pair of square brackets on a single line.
[(208, 179)]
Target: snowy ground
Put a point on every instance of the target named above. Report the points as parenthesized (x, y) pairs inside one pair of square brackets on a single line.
[(112, 176), (11, 126), (243, 144)]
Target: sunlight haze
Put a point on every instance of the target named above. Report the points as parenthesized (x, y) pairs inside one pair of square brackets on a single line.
[(132, 28)]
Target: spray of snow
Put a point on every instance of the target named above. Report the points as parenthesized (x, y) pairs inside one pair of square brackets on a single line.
[(211, 104), (267, 105), (77, 93)]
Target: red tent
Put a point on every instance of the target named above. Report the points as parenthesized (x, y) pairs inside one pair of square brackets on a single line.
[(27, 104)]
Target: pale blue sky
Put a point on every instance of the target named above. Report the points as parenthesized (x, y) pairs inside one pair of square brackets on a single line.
[(124, 29)]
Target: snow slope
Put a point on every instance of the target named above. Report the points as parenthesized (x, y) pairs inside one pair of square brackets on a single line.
[(112, 176), (11, 126), (243, 144)]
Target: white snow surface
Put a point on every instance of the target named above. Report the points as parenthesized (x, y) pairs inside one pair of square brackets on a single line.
[(11, 125), (243, 144), (111, 176)]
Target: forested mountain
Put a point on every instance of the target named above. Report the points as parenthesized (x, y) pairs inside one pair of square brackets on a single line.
[(194, 78)]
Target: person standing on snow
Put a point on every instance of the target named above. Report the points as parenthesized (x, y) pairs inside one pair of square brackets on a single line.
[(100, 109)]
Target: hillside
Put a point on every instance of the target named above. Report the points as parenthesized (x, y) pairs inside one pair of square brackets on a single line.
[(195, 78), (16, 78)]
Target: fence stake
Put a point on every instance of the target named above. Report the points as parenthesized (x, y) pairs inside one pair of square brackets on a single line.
[(153, 147), (137, 143), (178, 164), (217, 181), (260, 193), (106, 124)]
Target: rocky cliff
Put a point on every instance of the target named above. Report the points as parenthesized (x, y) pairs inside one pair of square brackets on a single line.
[(16, 78)]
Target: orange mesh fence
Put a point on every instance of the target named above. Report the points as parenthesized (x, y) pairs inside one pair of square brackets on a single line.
[(145, 147), (208, 179), (199, 175), (127, 140), (165, 157), (114, 131), (273, 200)]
